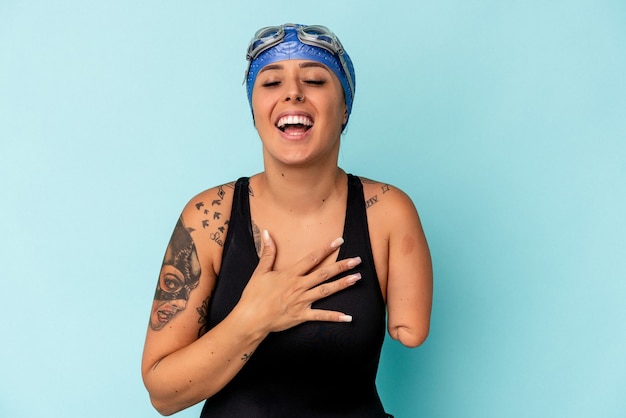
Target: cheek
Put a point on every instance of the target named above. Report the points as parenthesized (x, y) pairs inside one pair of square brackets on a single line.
[(260, 107), (337, 111), (338, 105)]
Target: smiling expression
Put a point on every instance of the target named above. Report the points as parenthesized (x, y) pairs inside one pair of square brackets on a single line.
[(299, 110)]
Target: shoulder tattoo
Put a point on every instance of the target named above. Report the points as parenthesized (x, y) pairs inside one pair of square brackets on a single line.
[(213, 220), (384, 188)]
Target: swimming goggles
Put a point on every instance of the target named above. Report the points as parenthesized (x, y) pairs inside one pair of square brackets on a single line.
[(314, 35)]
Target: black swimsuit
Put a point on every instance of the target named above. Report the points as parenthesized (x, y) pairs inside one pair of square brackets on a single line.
[(316, 369)]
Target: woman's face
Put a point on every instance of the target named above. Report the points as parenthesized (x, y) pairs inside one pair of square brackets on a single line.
[(172, 296), (299, 110)]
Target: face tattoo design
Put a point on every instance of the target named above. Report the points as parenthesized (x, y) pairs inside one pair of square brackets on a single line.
[(179, 276)]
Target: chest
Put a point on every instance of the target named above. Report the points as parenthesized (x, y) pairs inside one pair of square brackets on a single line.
[(297, 233)]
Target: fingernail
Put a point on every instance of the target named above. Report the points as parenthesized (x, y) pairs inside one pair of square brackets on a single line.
[(352, 279), (345, 318), (336, 243), (266, 237), (353, 262)]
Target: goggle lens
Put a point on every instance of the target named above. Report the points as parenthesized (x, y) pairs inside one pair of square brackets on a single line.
[(320, 34), (315, 35), (265, 38)]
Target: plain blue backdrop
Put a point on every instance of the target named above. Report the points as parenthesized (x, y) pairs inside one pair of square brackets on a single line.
[(505, 121)]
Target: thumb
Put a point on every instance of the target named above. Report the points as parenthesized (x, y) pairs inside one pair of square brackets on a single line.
[(268, 252)]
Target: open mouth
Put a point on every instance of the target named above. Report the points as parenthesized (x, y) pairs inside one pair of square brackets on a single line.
[(294, 124), (165, 316)]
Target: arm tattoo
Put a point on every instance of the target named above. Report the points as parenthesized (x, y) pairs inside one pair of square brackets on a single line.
[(203, 320), (246, 356), (179, 275)]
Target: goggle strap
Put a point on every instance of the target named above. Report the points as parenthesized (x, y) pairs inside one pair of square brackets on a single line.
[(333, 46)]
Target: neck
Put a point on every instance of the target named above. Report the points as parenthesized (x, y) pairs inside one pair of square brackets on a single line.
[(299, 190)]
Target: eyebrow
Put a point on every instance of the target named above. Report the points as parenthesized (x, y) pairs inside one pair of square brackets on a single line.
[(271, 67), (306, 64), (309, 64)]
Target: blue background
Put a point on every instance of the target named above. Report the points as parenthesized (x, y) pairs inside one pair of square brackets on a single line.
[(505, 122)]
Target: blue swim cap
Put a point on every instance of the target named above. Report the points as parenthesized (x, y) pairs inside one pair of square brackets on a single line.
[(292, 47)]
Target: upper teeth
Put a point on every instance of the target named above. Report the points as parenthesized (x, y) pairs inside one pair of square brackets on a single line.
[(294, 120)]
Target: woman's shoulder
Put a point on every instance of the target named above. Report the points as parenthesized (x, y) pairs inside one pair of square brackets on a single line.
[(207, 214), (210, 202), (384, 196)]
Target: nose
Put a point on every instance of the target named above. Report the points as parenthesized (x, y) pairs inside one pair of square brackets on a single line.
[(180, 304), (295, 97), (294, 93)]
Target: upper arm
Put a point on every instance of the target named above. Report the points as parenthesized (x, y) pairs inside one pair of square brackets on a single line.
[(187, 275), (409, 279)]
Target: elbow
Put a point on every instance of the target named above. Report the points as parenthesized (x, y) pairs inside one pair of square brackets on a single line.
[(163, 408), (169, 401), (158, 403), (168, 398), (163, 404)]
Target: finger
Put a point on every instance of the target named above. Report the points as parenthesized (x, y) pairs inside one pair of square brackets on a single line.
[(314, 258), (327, 289), (268, 252), (324, 273), (329, 316)]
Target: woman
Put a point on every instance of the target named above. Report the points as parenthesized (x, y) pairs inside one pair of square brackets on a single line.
[(272, 297)]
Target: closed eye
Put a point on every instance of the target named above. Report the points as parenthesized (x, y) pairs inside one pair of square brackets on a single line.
[(315, 82)]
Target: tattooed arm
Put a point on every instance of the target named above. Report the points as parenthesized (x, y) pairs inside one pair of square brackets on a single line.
[(183, 361), (402, 259)]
